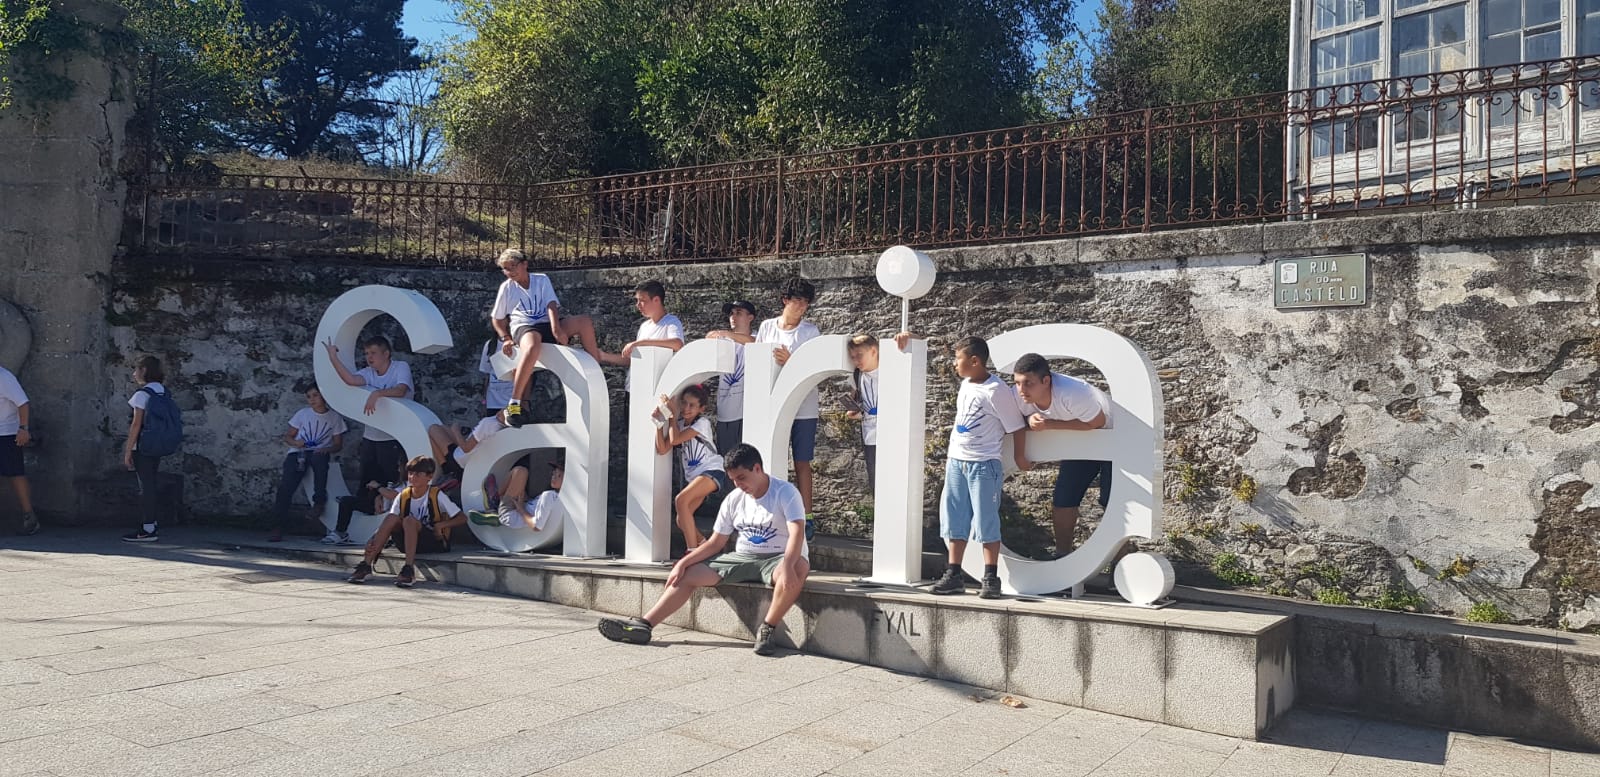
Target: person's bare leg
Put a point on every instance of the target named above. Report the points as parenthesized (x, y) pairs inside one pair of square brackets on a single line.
[(526, 357), (802, 481), (375, 545), (1065, 521), (697, 576), (439, 439), (413, 526), (786, 589), (24, 497), (516, 490), (689, 500), (991, 553), (958, 549), (583, 327)]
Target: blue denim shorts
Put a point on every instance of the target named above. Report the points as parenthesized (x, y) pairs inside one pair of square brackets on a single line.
[(803, 439), (971, 490), (1073, 480)]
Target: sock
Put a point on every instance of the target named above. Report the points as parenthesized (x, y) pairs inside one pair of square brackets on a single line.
[(991, 570), (956, 568), (149, 528)]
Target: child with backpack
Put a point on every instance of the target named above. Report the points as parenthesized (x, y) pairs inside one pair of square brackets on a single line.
[(156, 431), (423, 514)]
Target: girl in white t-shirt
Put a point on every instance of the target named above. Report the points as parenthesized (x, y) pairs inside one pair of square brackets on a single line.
[(863, 401), (690, 432)]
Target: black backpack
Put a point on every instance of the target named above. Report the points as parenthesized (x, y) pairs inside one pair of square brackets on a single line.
[(162, 431)]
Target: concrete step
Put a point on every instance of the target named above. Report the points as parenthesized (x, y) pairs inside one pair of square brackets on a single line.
[(1207, 668)]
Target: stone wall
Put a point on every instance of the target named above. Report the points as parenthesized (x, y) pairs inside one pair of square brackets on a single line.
[(1430, 450), (60, 218)]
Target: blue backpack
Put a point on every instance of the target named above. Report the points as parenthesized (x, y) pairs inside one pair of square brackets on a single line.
[(162, 432)]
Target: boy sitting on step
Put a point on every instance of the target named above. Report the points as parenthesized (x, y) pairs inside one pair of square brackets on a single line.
[(423, 514)]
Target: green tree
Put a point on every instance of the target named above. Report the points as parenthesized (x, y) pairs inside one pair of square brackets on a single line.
[(320, 96)]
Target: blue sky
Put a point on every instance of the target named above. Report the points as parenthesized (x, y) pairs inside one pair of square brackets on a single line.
[(431, 21)]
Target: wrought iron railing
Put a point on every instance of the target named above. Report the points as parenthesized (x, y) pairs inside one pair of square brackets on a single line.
[(1460, 139)]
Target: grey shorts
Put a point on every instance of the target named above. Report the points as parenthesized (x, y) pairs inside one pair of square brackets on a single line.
[(745, 567)]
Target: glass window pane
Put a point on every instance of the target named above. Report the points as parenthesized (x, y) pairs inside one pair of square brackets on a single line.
[(1502, 50), (1364, 45), (1332, 13), (1410, 33), (1501, 16), (1545, 45), (1450, 25), (1401, 5), (1589, 35), (1542, 12)]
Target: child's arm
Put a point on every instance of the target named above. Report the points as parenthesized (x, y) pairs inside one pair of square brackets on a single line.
[(337, 443), (292, 437), (729, 334), (554, 311), (350, 378), (459, 519), (903, 339), (1038, 422), (1019, 450), (133, 438)]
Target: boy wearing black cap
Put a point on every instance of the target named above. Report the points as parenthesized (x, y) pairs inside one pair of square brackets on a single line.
[(741, 315)]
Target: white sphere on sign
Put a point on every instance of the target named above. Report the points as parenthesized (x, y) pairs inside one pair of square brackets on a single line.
[(1144, 578), (906, 272)]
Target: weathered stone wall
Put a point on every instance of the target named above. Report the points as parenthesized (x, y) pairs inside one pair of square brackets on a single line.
[(1438, 441), (60, 218)]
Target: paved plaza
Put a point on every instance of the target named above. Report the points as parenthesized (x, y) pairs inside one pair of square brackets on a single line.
[(176, 660)]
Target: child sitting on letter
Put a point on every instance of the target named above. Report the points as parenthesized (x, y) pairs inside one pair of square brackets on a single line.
[(702, 466)]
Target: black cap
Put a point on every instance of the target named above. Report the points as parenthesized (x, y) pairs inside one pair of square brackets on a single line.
[(727, 307)]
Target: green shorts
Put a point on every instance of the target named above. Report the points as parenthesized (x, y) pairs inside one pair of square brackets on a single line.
[(746, 567)]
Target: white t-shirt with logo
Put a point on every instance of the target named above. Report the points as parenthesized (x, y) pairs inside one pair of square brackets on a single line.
[(763, 524), (315, 429), (668, 328), (419, 507), (730, 388), (525, 307), (399, 374), (700, 451), (792, 339), (868, 386), (140, 399), (498, 395), (544, 508), (11, 397), (985, 413), (1070, 400), (487, 427)]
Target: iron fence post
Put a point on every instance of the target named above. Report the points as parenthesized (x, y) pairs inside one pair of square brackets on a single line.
[(777, 241)]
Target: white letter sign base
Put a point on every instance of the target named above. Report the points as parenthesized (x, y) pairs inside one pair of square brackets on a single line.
[(584, 435), (1131, 441), (652, 372), (406, 420)]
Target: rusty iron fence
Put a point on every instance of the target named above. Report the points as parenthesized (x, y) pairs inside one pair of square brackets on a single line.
[(1461, 139)]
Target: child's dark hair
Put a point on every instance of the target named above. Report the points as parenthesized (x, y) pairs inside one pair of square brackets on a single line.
[(974, 346), (743, 456), (653, 289), (305, 385), (1033, 364), (380, 341), (798, 288), (423, 464), (698, 392), (152, 369)]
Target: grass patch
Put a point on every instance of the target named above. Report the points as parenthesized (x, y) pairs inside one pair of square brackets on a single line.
[(1230, 569), (1487, 612)]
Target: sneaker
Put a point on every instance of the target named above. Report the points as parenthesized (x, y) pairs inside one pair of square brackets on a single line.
[(30, 525), (634, 630), (140, 536), (764, 644), (491, 492), (360, 575), (515, 417), (482, 518), (344, 539), (989, 588), (407, 578), (950, 583), (333, 537)]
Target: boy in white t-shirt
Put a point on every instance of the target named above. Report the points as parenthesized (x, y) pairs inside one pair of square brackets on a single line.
[(423, 514), (986, 411), (381, 456), (1052, 401), (690, 434), (526, 315), (517, 509), (450, 447), (659, 328), (14, 436), (741, 316), (315, 434), (769, 518), (790, 330)]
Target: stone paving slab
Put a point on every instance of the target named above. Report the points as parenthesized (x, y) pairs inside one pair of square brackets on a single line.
[(161, 660)]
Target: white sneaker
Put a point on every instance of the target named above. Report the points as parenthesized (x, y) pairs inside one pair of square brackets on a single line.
[(333, 538), (344, 539)]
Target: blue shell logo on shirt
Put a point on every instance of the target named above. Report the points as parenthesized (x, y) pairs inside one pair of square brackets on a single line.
[(756, 533), (869, 397), (734, 378), (971, 417), (316, 434), (691, 463)]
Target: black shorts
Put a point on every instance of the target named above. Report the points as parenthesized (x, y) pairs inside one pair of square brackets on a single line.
[(10, 457), (543, 328), (1074, 478)]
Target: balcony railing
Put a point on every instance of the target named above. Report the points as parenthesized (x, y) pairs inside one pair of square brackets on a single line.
[(1462, 139)]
